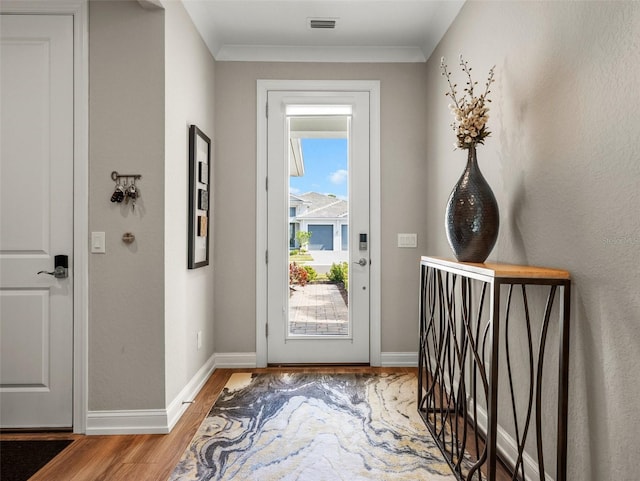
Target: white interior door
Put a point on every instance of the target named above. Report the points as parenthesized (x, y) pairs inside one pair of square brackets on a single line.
[(36, 215), (325, 332)]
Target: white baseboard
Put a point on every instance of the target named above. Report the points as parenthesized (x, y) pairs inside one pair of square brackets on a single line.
[(150, 421), (399, 359), (235, 360), (140, 421), (162, 421), (179, 405), (248, 360)]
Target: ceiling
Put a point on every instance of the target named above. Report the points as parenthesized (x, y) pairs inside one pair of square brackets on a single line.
[(366, 30)]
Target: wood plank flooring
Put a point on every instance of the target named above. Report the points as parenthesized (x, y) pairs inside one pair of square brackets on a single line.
[(151, 457)]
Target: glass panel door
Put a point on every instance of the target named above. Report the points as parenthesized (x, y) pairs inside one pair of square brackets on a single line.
[(318, 282), (319, 196)]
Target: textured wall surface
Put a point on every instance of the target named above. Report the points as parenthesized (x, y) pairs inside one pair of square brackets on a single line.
[(126, 133), (403, 126), (563, 162), (188, 293), (146, 307)]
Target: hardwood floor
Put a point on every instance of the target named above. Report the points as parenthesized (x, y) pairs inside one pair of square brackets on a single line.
[(151, 457)]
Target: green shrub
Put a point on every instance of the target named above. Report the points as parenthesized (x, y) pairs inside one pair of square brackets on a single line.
[(294, 252), (312, 275), (339, 272)]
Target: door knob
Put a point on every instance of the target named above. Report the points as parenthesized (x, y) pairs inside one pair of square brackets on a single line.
[(61, 270), (362, 262)]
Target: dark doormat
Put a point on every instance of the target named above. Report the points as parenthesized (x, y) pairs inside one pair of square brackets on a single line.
[(19, 460)]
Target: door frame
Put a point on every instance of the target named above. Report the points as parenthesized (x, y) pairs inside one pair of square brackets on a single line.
[(78, 9), (373, 87)]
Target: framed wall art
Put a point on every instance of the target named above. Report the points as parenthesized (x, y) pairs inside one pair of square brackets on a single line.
[(199, 195)]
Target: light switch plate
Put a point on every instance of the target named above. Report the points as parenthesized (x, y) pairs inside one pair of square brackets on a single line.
[(407, 240), (98, 243)]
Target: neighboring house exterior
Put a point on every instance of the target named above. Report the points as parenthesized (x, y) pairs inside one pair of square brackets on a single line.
[(325, 216)]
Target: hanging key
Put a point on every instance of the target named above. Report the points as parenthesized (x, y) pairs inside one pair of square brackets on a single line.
[(132, 194), (118, 194)]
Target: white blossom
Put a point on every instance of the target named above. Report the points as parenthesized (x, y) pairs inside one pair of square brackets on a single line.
[(470, 112)]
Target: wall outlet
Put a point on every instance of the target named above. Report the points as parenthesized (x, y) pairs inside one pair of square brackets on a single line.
[(199, 339)]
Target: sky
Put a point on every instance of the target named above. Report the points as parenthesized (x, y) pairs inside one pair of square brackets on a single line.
[(325, 168)]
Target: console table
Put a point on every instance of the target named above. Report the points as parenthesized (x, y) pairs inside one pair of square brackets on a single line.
[(464, 332)]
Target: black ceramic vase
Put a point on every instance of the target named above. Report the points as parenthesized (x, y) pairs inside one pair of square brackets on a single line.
[(472, 219)]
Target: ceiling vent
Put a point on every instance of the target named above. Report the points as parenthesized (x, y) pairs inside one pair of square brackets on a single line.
[(322, 23)]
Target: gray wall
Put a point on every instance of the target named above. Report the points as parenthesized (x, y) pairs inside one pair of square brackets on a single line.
[(563, 162), (146, 307), (126, 133), (403, 192), (189, 98)]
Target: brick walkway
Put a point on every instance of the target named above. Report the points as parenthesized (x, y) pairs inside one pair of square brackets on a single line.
[(318, 309)]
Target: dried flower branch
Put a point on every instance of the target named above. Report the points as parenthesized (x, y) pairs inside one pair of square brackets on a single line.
[(470, 112)]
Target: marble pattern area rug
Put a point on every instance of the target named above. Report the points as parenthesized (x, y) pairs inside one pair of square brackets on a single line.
[(314, 427)]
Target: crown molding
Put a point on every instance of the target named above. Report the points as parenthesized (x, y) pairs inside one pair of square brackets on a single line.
[(266, 53)]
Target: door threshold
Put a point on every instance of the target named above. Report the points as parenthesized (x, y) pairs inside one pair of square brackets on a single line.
[(324, 364)]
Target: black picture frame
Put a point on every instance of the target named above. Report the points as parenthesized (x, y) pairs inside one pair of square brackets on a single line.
[(199, 195)]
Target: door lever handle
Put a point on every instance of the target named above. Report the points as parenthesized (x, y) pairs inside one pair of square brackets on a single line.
[(362, 262), (62, 268), (59, 272)]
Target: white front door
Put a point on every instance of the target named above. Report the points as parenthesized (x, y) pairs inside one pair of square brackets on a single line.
[(36, 220), (324, 323)]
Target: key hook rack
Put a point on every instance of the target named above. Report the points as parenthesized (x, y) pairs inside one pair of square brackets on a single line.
[(126, 191), (115, 176)]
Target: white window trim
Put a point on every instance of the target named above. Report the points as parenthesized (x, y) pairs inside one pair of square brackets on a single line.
[(373, 87)]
